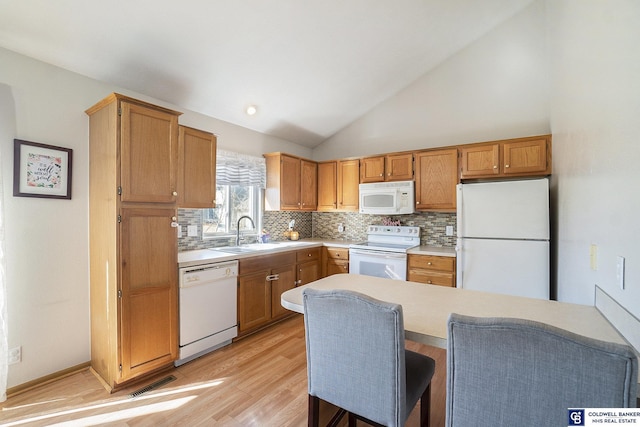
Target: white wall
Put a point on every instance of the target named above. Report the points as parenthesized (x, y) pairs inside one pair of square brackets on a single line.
[(47, 240), (595, 119), (495, 88)]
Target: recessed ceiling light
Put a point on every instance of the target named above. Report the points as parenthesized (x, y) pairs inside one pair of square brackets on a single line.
[(251, 110)]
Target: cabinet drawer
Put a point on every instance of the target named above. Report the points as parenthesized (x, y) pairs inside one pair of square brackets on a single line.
[(338, 253), (336, 266), (431, 277), (308, 254), (432, 262)]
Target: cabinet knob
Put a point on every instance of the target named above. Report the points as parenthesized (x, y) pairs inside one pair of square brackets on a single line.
[(495, 167), (175, 193), (429, 263), (381, 175), (173, 218), (309, 254), (428, 282), (506, 166)]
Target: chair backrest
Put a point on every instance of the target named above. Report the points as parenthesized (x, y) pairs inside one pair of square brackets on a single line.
[(519, 372), (356, 354)]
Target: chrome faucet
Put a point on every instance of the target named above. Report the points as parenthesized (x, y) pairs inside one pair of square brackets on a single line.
[(238, 227)]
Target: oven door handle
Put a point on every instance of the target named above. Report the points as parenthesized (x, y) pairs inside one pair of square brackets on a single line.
[(377, 254)]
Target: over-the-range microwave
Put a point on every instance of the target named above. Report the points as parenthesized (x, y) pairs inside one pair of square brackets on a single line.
[(387, 198)]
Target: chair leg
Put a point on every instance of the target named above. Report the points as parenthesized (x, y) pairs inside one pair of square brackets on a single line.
[(352, 420), (425, 407), (314, 411)]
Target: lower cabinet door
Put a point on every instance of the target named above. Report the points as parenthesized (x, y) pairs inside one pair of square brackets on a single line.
[(149, 291), (286, 279), (254, 300)]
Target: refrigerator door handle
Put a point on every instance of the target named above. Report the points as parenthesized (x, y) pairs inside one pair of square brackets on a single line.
[(459, 222), (459, 256)]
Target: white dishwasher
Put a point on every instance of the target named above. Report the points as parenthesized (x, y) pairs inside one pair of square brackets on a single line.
[(208, 308)]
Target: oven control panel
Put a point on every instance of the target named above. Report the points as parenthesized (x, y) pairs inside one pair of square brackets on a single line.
[(389, 230)]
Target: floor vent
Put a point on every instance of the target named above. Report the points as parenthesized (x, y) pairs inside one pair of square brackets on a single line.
[(152, 386)]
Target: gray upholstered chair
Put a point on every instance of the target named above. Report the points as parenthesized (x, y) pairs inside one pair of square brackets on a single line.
[(356, 360), (508, 372)]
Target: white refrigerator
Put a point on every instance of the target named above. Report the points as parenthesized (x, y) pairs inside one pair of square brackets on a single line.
[(503, 237)]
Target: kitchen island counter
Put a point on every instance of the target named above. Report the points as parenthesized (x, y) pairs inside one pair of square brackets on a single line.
[(427, 308)]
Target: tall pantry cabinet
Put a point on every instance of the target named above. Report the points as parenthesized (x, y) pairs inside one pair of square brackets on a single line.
[(133, 155)]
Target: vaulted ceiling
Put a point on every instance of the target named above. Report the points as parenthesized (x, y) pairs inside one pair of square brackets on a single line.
[(310, 67)]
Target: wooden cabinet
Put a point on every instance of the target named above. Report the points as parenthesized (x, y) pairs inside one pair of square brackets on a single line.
[(196, 168), (348, 185), (338, 183), (292, 183), (308, 266), (327, 186), (148, 138), (133, 149), (519, 157), (433, 270), (335, 261), (390, 167), (308, 185), (436, 180), (372, 169), (149, 298), (261, 282)]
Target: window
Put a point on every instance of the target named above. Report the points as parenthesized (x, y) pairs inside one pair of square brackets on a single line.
[(240, 180), (232, 202)]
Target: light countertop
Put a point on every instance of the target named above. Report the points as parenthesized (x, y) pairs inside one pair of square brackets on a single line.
[(206, 256), (433, 250), (427, 307)]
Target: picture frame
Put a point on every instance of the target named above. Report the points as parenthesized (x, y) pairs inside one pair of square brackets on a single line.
[(41, 170)]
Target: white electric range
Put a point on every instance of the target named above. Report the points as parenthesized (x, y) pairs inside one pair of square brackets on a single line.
[(384, 254)]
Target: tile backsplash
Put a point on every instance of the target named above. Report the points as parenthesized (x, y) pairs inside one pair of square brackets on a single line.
[(324, 225), (432, 225)]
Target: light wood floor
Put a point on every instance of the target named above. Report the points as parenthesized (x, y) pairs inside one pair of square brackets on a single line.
[(258, 381)]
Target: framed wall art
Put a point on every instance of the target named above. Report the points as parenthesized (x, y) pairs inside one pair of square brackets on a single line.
[(41, 170)]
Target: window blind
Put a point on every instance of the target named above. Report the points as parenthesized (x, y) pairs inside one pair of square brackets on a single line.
[(240, 169)]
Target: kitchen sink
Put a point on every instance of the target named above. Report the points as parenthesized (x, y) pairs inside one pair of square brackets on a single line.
[(253, 247), (233, 249)]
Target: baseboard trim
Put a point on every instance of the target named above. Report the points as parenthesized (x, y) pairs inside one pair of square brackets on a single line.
[(30, 385)]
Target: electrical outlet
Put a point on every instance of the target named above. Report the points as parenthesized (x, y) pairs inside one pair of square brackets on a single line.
[(449, 230), (192, 230), (340, 228), (15, 355), (593, 257)]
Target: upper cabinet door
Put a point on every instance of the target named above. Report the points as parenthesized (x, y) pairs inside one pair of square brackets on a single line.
[(327, 186), (436, 180), (308, 185), (525, 157), (197, 169), (372, 169), (479, 160), (289, 183), (348, 185), (399, 167), (149, 154)]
